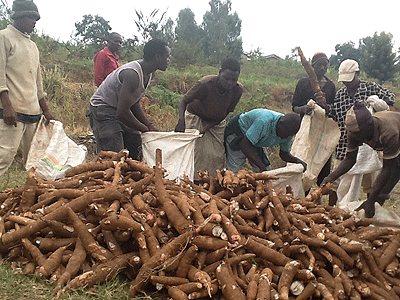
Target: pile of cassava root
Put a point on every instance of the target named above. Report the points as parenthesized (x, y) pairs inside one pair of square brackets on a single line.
[(233, 237)]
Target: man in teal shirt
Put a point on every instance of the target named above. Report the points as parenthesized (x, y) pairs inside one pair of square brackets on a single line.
[(247, 135)]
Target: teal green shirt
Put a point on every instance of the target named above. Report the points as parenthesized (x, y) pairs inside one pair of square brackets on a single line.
[(259, 126)]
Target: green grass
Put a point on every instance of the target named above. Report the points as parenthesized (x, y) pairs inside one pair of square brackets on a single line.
[(15, 285)]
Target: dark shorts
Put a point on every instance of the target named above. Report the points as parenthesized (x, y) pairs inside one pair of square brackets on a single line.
[(113, 135)]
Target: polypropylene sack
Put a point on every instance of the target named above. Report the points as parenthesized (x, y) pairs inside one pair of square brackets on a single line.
[(315, 142), (52, 152), (177, 151), (290, 175)]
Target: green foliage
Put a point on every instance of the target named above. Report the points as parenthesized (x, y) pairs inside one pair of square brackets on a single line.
[(375, 55), (343, 52), (153, 26), (221, 32), (92, 30), (378, 57), (4, 14)]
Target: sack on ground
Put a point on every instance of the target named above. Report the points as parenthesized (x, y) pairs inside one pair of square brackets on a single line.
[(177, 151), (315, 142), (52, 152), (290, 175)]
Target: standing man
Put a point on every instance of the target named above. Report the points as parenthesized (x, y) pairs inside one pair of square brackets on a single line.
[(247, 134), (106, 60), (354, 90), (205, 107), (304, 92), (382, 132), (115, 112), (21, 88)]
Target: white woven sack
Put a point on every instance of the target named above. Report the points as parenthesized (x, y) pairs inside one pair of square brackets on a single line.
[(52, 152), (177, 151), (315, 142)]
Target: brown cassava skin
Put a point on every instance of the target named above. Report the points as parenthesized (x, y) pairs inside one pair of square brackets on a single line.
[(151, 239), (186, 261), (89, 166), (209, 243), (227, 283), (177, 294), (29, 194), (73, 265), (320, 96), (52, 244), (286, 279), (118, 222), (266, 253), (112, 243), (101, 273), (389, 253), (34, 251), (52, 263), (157, 260), (77, 205), (175, 216), (168, 280), (89, 243), (308, 291), (190, 287)]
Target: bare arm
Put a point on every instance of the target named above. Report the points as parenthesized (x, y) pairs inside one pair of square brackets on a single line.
[(344, 167), (130, 82), (180, 127), (46, 111), (288, 157), (249, 150), (9, 114)]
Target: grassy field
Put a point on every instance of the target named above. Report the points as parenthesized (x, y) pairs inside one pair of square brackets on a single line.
[(268, 84)]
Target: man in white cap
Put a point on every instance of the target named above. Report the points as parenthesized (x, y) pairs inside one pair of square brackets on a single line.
[(22, 98), (354, 90), (382, 132)]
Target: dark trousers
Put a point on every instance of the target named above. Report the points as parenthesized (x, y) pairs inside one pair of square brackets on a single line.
[(111, 134)]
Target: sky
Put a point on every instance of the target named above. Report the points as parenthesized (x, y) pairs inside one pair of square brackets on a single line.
[(275, 27)]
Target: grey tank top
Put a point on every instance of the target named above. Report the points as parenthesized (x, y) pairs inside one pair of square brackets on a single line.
[(108, 92)]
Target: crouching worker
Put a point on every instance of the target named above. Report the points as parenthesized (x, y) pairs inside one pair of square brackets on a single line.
[(115, 114), (381, 131), (247, 135)]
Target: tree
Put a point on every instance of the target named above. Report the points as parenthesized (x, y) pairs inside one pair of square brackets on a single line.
[(343, 52), (186, 28), (154, 27), (93, 30), (4, 14), (221, 32), (378, 59), (188, 36)]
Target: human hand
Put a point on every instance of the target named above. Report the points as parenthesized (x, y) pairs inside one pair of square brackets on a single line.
[(48, 117), (325, 181), (304, 164), (180, 127), (151, 127), (10, 116), (369, 207), (306, 109)]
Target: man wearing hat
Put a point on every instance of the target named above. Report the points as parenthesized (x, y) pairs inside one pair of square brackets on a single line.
[(381, 131), (21, 89), (354, 90)]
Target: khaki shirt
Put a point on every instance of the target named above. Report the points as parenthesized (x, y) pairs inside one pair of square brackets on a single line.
[(20, 73), (386, 135)]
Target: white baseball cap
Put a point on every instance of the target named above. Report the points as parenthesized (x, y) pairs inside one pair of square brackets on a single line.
[(347, 70)]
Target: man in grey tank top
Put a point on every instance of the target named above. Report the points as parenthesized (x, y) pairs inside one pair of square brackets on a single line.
[(115, 113)]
